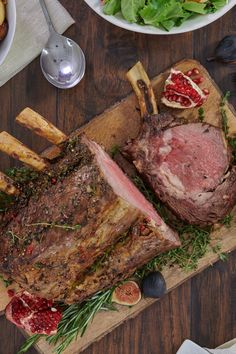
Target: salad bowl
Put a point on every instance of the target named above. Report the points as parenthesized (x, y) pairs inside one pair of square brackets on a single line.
[(5, 45), (191, 24)]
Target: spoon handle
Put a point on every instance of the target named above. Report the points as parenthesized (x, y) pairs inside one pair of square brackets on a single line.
[(47, 16)]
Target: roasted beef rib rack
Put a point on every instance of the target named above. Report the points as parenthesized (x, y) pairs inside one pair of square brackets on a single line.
[(187, 164), (80, 207)]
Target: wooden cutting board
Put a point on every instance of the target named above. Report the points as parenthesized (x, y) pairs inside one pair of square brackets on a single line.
[(114, 127)]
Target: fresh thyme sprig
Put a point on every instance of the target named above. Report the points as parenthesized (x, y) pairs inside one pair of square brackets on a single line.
[(224, 118), (225, 127), (194, 245), (194, 240), (13, 236), (227, 220), (53, 225)]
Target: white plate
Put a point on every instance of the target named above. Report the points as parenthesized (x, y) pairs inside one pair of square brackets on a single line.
[(190, 25), (5, 45)]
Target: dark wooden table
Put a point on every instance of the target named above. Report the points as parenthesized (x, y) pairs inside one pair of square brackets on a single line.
[(204, 308)]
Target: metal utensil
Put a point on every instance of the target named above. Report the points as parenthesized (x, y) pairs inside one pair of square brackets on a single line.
[(62, 60)]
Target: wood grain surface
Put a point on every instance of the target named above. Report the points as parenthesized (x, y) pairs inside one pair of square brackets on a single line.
[(204, 308)]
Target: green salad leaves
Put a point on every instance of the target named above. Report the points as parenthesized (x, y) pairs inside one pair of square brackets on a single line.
[(160, 13)]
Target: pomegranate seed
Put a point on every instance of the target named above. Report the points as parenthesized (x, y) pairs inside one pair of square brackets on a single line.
[(198, 80), (189, 73), (142, 228), (205, 91), (196, 71), (147, 220), (179, 99), (11, 292), (53, 180), (175, 98), (29, 249)]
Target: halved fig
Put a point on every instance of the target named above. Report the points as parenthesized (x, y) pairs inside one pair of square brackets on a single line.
[(181, 91), (33, 314), (127, 294)]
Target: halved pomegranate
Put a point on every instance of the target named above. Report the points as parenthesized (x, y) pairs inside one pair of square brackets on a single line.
[(181, 91), (34, 314)]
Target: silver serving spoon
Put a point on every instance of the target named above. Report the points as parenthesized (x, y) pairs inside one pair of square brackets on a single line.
[(62, 60)]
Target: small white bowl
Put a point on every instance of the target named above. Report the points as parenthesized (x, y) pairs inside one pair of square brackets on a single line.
[(5, 45), (192, 24)]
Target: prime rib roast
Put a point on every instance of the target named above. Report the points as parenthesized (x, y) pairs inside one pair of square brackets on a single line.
[(82, 225), (80, 206), (188, 165)]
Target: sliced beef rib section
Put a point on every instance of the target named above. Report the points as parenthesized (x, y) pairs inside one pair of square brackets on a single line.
[(188, 167)]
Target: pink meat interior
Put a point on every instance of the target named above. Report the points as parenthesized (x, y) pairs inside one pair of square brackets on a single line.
[(195, 154), (122, 186)]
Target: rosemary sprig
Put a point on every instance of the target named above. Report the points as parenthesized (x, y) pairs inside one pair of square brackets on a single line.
[(53, 225), (74, 322), (32, 340)]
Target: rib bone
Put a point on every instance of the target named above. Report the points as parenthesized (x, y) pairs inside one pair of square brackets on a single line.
[(7, 185), (141, 84), (41, 126), (14, 148)]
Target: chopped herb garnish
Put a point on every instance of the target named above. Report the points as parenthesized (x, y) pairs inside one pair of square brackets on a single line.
[(6, 282), (13, 236), (232, 143), (38, 265), (227, 220), (222, 255), (53, 225), (22, 175), (225, 98), (201, 114), (5, 201), (114, 151)]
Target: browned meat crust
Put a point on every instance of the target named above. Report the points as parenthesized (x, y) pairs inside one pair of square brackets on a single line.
[(142, 244), (72, 216)]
